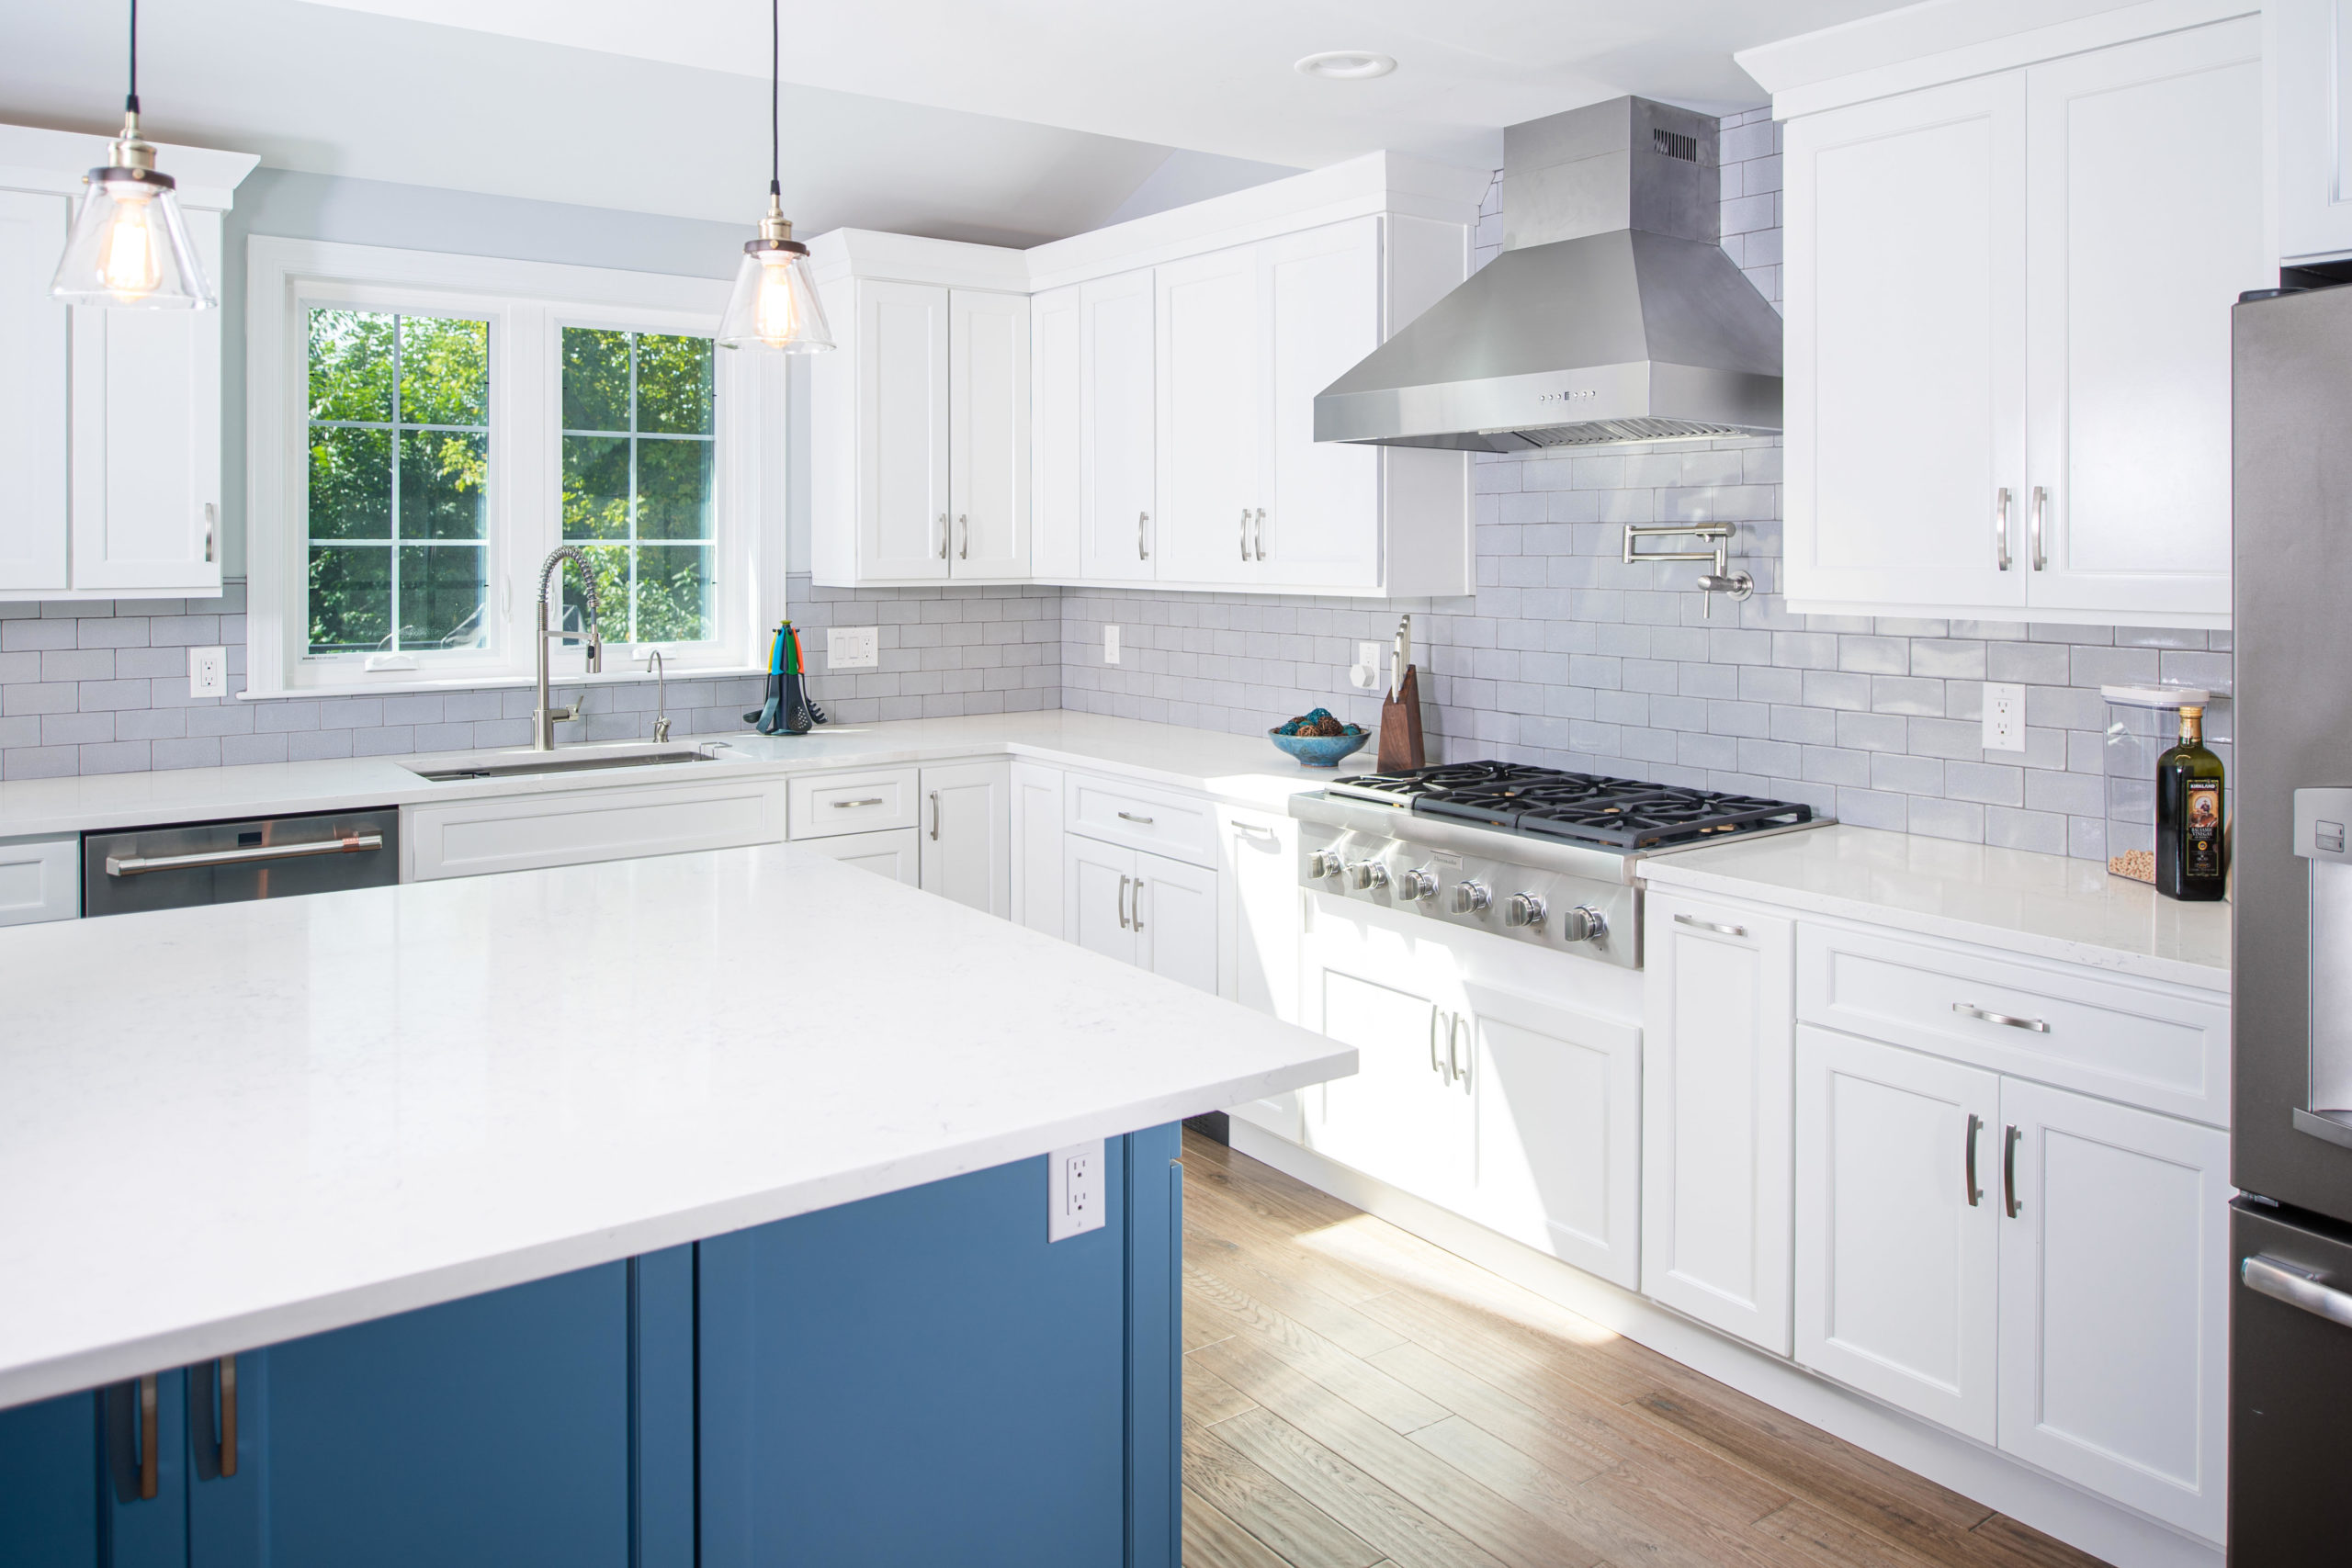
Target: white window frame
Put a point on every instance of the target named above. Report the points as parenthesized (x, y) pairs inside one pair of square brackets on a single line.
[(527, 305)]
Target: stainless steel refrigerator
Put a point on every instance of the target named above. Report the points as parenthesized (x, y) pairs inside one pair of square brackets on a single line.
[(2291, 1152)]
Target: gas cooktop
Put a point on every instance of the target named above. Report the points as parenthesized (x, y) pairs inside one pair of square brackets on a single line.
[(1622, 814)]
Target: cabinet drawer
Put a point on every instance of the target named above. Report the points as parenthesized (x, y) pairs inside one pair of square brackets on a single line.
[(824, 804), (521, 833), (2141, 1043), (40, 879), (894, 853), (1161, 821)]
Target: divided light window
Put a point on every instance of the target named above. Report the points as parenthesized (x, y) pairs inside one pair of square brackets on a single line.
[(399, 521), (637, 444)]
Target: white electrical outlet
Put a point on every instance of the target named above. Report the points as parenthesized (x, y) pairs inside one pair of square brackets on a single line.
[(1364, 673), (1074, 1190), (852, 647), (2004, 717), (208, 671), (1110, 645)]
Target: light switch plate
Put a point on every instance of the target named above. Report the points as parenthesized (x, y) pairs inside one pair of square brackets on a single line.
[(1074, 1190), (2004, 717), (852, 647), (208, 671), (1110, 645)]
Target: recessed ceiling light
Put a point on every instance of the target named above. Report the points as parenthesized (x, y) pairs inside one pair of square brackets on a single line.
[(1346, 65)]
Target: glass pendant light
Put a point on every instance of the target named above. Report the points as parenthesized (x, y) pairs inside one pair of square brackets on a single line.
[(774, 304), (130, 248)]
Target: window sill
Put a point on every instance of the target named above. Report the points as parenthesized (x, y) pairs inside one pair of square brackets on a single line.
[(496, 682)]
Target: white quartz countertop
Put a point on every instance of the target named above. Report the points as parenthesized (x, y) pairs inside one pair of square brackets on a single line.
[(226, 1126), (1245, 769), (2046, 905)]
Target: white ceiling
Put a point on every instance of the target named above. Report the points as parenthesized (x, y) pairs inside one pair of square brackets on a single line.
[(1001, 120)]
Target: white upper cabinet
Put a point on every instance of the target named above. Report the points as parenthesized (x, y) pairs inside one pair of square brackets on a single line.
[(109, 420), (987, 432), (2008, 299), (1322, 500), (1211, 404), (1055, 506), (1116, 433), (2313, 77)]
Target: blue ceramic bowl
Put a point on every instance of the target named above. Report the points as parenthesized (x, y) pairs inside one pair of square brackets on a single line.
[(1319, 751)]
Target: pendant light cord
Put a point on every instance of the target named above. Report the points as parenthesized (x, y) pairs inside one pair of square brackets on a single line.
[(775, 89), (130, 102)]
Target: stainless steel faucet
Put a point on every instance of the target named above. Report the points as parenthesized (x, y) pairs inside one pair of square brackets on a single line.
[(545, 717), (660, 697)]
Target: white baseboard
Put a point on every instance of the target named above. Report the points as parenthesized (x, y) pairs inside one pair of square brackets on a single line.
[(2056, 1507)]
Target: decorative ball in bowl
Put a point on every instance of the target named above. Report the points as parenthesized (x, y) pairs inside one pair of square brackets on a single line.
[(1317, 739)]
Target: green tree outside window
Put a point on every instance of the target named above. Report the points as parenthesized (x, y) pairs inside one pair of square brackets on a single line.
[(638, 441), (399, 523)]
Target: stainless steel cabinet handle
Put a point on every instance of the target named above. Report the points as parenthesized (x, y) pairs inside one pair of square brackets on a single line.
[(2001, 526), (1716, 927), (942, 535), (1454, 1033), (212, 517), (224, 1379), (2009, 1136), (1970, 1010), (866, 800), (1131, 816), (1975, 1194), (147, 1443), (1124, 883), (1244, 533), (1435, 1065), (2296, 1287), (934, 817), (1141, 552), (1261, 533), (1135, 909), (2041, 499), (964, 536), (139, 866)]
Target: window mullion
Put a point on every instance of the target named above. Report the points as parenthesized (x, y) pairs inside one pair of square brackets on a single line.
[(634, 420), (392, 546)]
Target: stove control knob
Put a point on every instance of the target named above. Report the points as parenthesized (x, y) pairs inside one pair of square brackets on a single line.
[(1471, 897), (1323, 863), (1583, 923), (1367, 875), (1523, 909), (1416, 884)]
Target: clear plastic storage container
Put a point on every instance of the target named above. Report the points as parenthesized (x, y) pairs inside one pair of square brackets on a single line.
[(2143, 724)]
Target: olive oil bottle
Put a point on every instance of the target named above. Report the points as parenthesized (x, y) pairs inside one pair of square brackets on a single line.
[(2190, 845)]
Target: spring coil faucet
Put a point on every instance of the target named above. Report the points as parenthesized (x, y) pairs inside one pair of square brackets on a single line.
[(545, 717)]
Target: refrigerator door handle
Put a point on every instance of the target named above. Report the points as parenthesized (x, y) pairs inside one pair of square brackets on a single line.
[(2297, 1287)]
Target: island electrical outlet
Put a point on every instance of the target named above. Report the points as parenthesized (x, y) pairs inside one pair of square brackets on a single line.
[(1074, 1190)]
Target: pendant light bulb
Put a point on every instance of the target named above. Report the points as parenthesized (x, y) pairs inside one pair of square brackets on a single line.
[(774, 304), (130, 248)]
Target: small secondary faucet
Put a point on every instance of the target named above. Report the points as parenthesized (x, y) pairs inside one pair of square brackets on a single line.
[(660, 697), (545, 717)]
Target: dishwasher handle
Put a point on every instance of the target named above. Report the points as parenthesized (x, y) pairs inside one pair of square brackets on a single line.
[(140, 865), (2296, 1287)]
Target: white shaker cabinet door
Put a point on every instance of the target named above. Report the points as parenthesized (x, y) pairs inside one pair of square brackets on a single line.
[(967, 826), (2144, 180), (1558, 1094), (146, 442), (1259, 857), (1322, 524), (904, 505), (1116, 426), (1098, 880), (1717, 1075), (894, 853), (2312, 60), (34, 521), (1897, 1227), (1906, 277), (1212, 407), (2115, 1278), (1173, 912), (1055, 479), (988, 370), (1036, 811)]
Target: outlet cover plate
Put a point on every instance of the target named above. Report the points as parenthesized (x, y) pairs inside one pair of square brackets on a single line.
[(852, 647), (208, 671), (1110, 645), (2004, 716), (1074, 1185)]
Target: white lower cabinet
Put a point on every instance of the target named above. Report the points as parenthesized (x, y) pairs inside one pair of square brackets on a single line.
[(467, 838), (1036, 881), (1148, 910), (894, 853), (965, 832), (1259, 928), (40, 879), (1717, 1065)]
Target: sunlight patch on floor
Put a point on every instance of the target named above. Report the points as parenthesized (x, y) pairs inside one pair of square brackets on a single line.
[(1374, 1247)]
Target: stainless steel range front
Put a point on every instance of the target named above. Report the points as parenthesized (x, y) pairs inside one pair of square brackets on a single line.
[(1533, 854)]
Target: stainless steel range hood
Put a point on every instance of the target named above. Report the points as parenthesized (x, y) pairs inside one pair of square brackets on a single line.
[(1612, 315)]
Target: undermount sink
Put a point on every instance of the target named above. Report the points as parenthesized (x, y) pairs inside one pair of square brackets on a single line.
[(559, 763)]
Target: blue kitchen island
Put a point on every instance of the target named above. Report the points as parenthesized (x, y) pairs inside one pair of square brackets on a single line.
[(325, 1245)]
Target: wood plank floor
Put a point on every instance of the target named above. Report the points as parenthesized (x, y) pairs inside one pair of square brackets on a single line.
[(1355, 1397)]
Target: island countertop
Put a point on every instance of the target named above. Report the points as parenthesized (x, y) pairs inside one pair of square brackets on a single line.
[(225, 1126)]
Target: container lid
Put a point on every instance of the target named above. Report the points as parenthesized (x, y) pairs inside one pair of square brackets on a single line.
[(2157, 696)]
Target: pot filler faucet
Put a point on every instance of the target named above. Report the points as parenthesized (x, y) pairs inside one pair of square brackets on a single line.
[(544, 718)]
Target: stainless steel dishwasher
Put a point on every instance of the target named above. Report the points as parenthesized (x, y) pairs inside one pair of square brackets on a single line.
[(228, 862)]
